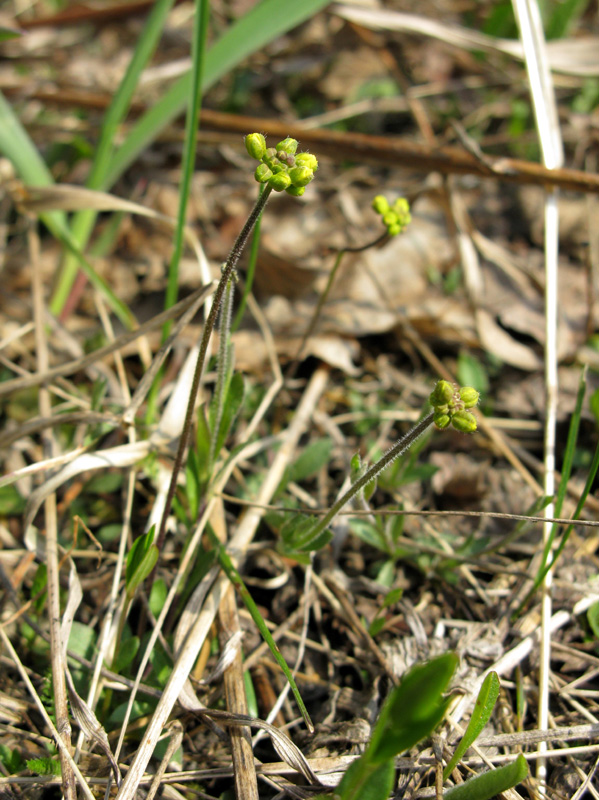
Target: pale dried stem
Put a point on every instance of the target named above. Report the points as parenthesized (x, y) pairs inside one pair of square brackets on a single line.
[(56, 649)]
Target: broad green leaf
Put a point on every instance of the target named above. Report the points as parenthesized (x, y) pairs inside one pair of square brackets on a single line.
[(11, 759), (491, 783), (471, 372), (413, 709), (485, 703)]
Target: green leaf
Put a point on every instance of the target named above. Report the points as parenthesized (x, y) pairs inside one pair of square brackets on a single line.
[(490, 783), (11, 502), (232, 404), (413, 709), (594, 405), (369, 533), (593, 619), (140, 561), (297, 535), (44, 766), (157, 597), (9, 33), (485, 703), (11, 759), (315, 456), (126, 653), (265, 22), (375, 783), (471, 372)]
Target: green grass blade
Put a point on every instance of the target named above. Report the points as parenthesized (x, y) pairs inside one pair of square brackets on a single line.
[(18, 147), (202, 10), (261, 25), (83, 222), (485, 703), (237, 581)]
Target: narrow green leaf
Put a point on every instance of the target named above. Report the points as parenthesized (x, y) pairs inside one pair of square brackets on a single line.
[(265, 22), (490, 783), (237, 581), (140, 561), (316, 455), (9, 33), (232, 404), (485, 703)]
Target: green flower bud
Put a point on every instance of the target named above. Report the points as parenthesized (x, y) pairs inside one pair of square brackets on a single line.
[(390, 218), (306, 160), (441, 420), (263, 173), (394, 229), (442, 394), (280, 181), (402, 209), (255, 144), (276, 166), (380, 204), (288, 145), (301, 176), (469, 396), (295, 191), (464, 421)]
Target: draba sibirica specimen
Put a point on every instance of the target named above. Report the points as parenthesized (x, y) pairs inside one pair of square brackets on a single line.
[(450, 406), (281, 167), (396, 217)]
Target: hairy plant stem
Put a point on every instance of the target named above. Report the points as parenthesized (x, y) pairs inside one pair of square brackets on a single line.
[(394, 452), (227, 273)]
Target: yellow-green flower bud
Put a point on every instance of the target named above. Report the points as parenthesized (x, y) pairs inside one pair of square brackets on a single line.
[(306, 160), (402, 209), (394, 229), (263, 173), (288, 145), (441, 420), (442, 394), (390, 218), (464, 421), (255, 144), (380, 204), (301, 176), (469, 396), (295, 191), (280, 182)]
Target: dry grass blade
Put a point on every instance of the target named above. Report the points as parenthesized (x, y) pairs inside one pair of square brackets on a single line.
[(571, 57), (16, 384)]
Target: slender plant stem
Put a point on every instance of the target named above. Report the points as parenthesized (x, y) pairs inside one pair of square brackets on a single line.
[(249, 277), (227, 273), (394, 452)]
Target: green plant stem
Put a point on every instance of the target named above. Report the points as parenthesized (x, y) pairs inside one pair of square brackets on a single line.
[(227, 273), (251, 270), (394, 452)]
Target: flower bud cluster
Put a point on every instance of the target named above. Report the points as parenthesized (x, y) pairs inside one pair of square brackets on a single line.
[(451, 405), (395, 217), (281, 167)]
